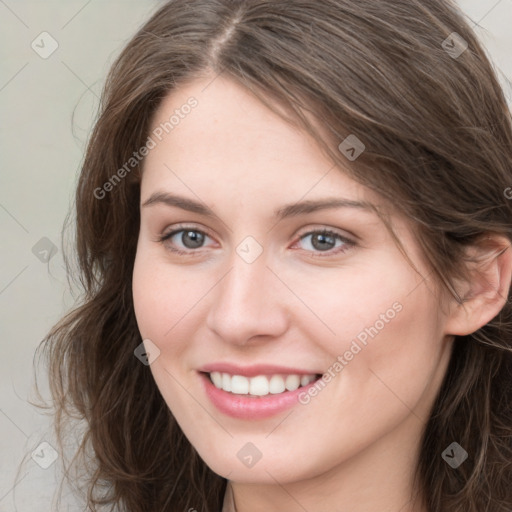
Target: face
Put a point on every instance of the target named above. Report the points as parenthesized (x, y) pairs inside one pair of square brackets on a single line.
[(255, 291)]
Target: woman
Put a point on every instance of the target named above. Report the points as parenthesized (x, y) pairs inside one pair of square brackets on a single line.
[(294, 241)]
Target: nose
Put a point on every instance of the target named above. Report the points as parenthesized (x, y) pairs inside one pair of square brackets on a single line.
[(248, 303)]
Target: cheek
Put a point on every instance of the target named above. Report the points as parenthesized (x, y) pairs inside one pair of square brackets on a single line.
[(385, 341), (361, 303), (390, 365), (147, 298), (160, 296), (161, 303)]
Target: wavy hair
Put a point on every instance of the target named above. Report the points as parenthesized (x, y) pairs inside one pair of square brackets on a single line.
[(438, 138)]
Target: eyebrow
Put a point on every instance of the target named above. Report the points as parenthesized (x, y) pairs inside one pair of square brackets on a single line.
[(290, 210)]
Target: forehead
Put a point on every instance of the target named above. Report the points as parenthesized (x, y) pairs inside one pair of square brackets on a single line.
[(230, 125), (231, 137)]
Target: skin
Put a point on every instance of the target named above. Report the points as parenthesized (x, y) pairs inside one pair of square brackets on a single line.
[(355, 445)]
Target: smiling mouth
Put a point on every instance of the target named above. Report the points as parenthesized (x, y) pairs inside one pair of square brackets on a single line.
[(260, 385)]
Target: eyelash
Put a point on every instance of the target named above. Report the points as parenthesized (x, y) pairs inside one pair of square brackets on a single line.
[(322, 254)]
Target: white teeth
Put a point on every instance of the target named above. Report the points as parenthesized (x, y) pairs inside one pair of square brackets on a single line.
[(216, 379), (292, 382), (239, 385), (226, 382), (261, 385), (306, 379), (276, 384)]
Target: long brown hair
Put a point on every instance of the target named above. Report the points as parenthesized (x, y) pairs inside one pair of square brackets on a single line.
[(438, 145)]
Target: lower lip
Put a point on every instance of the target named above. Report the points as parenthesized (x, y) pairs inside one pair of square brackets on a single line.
[(251, 408)]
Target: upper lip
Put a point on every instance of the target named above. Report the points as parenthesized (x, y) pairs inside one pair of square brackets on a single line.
[(254, 370)]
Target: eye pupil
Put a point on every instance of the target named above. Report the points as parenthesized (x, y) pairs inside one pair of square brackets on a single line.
[(323, 238), (195, 237)]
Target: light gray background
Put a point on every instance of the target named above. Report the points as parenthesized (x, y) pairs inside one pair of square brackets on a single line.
[(47, 109)]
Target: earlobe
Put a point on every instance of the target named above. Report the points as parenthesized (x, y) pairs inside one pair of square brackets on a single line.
[(486, 292)]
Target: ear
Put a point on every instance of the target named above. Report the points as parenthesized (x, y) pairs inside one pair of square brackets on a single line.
[(486, 291)]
